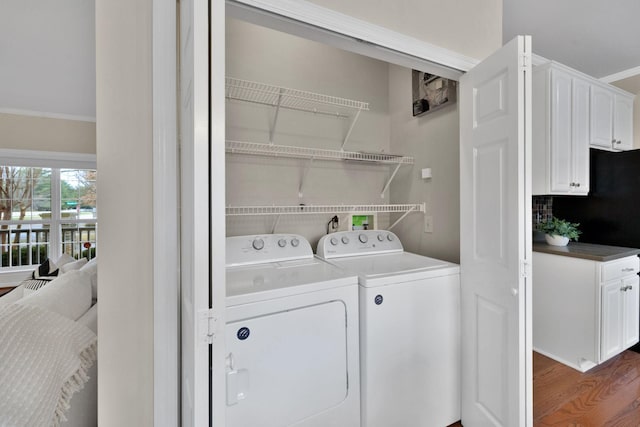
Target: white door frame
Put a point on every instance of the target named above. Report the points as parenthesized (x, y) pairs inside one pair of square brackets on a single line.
[(166, 250), (308, 20), (218, 223)]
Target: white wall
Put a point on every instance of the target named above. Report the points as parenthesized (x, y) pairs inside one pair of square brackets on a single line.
[(264, 55), (433, 140), (470, 27), (124, 152), (48, 57), (22, 132)]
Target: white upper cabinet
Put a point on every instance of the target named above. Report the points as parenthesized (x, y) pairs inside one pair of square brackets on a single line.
[(572, 112), (611, 118), (601, 117), (623, 122), (560, 131)]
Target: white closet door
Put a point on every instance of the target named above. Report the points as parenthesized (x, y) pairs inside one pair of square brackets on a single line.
[(197, 274), (495, 230)]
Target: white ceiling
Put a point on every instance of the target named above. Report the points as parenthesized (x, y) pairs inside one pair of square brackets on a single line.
[(597, 37), (47, 57)]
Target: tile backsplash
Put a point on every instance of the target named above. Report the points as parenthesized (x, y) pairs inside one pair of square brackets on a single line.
[(542, 209)]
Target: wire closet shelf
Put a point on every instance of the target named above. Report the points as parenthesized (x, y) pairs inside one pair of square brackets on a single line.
[(322, 209), (273, 150), (294, 99)]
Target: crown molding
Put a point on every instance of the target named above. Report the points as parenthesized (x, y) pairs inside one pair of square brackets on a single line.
[(621, 75)]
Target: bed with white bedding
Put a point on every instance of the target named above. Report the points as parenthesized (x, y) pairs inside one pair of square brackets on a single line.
[(48, 348)]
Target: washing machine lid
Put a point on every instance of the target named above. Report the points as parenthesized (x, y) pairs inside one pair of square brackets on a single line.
[(252, 283), (384, 269)]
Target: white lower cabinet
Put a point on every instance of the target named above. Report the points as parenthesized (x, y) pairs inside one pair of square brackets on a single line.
[(619, 316), (584, 311)]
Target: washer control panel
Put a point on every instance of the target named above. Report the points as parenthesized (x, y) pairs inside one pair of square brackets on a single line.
[(263, 248), (358, 242)]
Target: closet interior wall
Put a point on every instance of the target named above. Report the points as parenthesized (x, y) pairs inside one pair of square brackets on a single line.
[(263, 55), (433, 140)]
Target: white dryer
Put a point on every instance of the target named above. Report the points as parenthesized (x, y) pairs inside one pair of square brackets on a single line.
[(291, 336), (409, 329)]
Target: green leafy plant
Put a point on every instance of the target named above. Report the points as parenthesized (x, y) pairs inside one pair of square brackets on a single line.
[(560, 227)]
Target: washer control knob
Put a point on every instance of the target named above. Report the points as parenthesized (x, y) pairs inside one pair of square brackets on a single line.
[(333, 241), (258, 244), (363, 238), (345, 240), (295, 242), (282, 243), (390, 237), (380, 237)]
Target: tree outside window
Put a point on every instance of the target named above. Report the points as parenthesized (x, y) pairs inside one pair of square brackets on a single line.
[(30, 231)]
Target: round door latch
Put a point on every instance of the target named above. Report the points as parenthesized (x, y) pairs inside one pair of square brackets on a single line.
[(243, 333), (378, 299)]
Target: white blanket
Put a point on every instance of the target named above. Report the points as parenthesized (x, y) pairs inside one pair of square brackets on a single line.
[(44, 358)]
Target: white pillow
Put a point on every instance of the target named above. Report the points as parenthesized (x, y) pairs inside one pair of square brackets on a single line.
[(91, 268), (73, 265), (68, 295), (64, 259)]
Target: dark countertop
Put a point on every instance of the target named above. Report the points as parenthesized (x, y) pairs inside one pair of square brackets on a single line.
[(590, 251)]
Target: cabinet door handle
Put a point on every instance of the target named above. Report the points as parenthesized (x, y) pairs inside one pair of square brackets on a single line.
[(572, 184), (628, 269), (577, 184), (626, 288), (618, 142)]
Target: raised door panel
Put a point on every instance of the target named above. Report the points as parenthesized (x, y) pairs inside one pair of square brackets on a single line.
[(561, 150), (623, 123), (631, 311), (580, 133), (601, 123), (611, 320)]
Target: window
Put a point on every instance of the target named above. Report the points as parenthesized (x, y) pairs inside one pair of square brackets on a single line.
[(45, 212)]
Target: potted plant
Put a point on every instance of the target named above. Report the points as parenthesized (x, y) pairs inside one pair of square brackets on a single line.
[(558, 232)]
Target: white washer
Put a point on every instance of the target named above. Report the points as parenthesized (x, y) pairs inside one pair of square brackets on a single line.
[(291, 335), (409, 329)]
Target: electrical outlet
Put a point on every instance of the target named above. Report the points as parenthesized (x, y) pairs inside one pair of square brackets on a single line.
[(428, 224)]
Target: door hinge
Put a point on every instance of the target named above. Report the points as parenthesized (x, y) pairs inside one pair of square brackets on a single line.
[(207, 324), (525, 269), (525, 60)]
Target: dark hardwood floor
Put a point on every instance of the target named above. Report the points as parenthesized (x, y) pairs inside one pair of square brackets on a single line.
[(605, 396)]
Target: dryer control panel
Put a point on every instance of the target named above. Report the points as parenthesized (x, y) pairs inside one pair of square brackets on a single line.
[(359, 242), (263, 248)]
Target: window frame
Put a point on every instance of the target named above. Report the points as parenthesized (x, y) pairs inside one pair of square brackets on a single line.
[(55, 161)]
